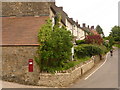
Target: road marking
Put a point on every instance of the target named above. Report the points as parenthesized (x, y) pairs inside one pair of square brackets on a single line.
[(97, 68)]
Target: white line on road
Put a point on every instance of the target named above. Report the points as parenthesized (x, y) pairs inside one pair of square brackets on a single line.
[(97, 68)]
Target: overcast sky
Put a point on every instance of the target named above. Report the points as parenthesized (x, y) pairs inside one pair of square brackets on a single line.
[(92, 12)]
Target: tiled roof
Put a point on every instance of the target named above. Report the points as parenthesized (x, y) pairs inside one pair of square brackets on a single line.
[(94, 32), (57, 10), (71, 20), (85, 29), (21, 30), (63, 15)]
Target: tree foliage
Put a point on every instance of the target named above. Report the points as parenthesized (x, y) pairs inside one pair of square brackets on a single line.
[(94, 39), (55, 46), (80, 42), (99, 30), (87, 50), (111, 41), (115, 33)]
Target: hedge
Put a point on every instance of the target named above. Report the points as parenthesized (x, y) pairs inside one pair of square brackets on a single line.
[(89, 50), (80, 42)]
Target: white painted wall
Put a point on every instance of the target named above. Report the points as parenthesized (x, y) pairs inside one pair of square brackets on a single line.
[(81, 34), (75, 30), (69, 26)]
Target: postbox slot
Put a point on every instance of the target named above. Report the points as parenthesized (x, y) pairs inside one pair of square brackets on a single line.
[(30, 63)]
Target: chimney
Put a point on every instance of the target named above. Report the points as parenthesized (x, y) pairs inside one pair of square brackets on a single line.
[(84, 25), (88, 27), (76, 21), (92, 27)]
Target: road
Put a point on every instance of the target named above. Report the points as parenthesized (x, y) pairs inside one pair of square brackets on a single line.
[(105, 77)]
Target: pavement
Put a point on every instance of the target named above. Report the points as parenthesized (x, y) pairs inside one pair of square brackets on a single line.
[(6, 84), (104, 77)]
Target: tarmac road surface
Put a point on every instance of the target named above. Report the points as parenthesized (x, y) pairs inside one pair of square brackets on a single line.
[(105, 77)]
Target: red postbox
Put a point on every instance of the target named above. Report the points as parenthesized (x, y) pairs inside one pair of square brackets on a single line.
[(30, 67)]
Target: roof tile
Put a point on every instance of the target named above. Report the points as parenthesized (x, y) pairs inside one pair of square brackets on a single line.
[(21, 30)]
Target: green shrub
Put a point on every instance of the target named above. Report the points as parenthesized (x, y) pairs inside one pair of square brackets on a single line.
[(117, 45), (111, 41), (103, 48), (55, 47), (80, 42), (106, 44), (117, 38), (87, 50), (73, 63)]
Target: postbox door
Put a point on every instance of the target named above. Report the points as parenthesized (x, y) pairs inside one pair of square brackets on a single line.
[(30, 65)]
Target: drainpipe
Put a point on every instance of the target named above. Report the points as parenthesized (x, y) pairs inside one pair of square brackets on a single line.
[(72, 53), (72, 49)]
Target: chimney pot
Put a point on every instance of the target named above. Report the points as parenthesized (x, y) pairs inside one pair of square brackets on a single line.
[(92, 27), (71, 19), (77, 21), (88, 26)]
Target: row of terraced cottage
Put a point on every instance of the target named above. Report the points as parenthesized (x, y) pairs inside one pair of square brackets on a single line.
[(21, 22)]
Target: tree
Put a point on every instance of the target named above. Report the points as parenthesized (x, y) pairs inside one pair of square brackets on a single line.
[(111, 41), (115, 33), (93, 39), (99, 30), (55, 46)]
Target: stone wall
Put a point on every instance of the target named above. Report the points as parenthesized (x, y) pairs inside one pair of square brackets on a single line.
[(59, 79), (97, 58), (69, 76), (15, 64), (87, 66), (25, 8), (64, 79)]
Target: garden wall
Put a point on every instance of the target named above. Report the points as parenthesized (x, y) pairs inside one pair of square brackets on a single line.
[(97, 58), (69, 76)]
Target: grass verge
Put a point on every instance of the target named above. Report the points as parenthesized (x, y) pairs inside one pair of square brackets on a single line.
[(66, 65), (74, 63), (117, 45)]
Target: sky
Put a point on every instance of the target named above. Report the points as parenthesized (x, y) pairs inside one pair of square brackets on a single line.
[(92, 12)]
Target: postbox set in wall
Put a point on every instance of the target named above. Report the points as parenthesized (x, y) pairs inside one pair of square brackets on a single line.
[(30, 66)]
